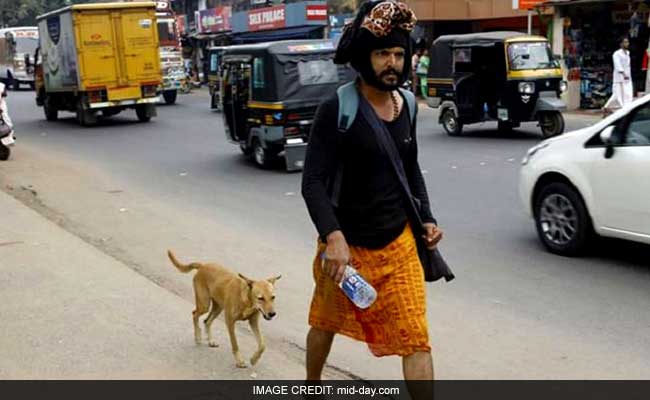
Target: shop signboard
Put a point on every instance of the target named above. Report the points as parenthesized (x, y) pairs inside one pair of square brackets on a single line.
[(215, 20), (316, 12), (266, 18), (526, 4), (163, 6)]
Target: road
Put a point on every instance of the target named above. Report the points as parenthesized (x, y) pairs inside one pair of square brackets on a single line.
[(514, 312)]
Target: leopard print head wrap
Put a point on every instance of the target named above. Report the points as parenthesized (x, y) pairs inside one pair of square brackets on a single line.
[(388, 15)]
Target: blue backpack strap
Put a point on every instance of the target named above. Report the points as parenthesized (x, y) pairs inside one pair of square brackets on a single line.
[(348, 105), (410, 103)]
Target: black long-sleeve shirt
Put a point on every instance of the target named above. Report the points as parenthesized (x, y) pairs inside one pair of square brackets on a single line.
[(371, 211)]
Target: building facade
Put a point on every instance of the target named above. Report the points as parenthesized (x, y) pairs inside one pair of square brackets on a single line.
[(445, 17)]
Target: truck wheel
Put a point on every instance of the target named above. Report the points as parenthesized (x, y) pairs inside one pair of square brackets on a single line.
[(85, 117), (109, 112), (143, 113), (5, 152), (552, 123), (50, 110), (170, 96), (450, 123)]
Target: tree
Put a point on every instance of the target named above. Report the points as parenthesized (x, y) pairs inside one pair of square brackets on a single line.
[(24, 12)]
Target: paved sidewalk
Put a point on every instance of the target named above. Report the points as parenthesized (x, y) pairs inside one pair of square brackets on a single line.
[(69, 311)]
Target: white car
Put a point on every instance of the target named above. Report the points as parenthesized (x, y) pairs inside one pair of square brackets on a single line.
[(594, 180)]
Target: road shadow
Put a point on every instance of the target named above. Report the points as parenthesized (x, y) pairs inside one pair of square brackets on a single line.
[(115, 121), (519, 134), (603, 253), (634, 255), (240, 163)]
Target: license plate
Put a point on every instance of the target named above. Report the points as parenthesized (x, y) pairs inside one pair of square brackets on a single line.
[(8, 140), (502, 114)]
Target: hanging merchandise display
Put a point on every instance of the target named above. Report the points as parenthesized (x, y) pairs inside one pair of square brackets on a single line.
[(592, 33)]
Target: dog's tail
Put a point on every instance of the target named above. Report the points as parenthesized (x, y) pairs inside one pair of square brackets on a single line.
[(184, 268)]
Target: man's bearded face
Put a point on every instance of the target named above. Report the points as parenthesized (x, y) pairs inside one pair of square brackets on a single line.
[(388, 65)]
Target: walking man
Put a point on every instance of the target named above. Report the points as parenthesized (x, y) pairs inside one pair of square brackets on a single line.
[(369, 228), (622, 88)]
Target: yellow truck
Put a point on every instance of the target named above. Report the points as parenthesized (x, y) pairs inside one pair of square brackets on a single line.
[(100, 57)]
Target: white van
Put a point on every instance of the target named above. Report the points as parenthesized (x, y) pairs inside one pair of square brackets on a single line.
[(17, 48)]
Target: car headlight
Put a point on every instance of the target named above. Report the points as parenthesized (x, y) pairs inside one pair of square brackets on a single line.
[(532, 151), (527, 87), (563, 86)]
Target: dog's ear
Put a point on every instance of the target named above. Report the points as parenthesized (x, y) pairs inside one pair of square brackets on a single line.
[(248, 281), (274, 279)]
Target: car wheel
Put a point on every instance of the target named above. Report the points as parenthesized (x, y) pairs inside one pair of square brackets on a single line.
[(450, 123), (562, 221), (552, 124)]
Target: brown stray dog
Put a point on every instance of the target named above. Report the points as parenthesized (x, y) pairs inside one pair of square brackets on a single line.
[(241, 298)]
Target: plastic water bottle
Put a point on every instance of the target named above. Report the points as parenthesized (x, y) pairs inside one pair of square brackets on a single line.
[(357, 289)]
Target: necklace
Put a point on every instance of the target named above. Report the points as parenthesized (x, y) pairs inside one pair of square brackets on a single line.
[(393, 99)]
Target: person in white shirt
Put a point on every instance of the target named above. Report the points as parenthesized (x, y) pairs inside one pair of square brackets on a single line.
[(4, 110), (622, 89)]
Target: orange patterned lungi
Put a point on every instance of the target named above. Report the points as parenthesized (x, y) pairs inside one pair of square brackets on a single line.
[(396, 323)]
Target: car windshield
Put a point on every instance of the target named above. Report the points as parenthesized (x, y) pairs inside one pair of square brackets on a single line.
[(317, 72), (530, 55), (26, 45)]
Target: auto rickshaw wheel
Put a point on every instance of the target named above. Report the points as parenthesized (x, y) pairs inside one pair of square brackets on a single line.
[(247, 151), (14, 83), (5, 152), (505, 127), (450, 123), (170, 96), (263, 158), (552, 123)]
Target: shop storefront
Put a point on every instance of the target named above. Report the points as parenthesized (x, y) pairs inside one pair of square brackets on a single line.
[(590, 34), (452, 17), (302, 20)]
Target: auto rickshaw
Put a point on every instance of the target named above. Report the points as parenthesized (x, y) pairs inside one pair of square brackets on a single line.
[(270, 92), (214, 76), (509, 77)]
